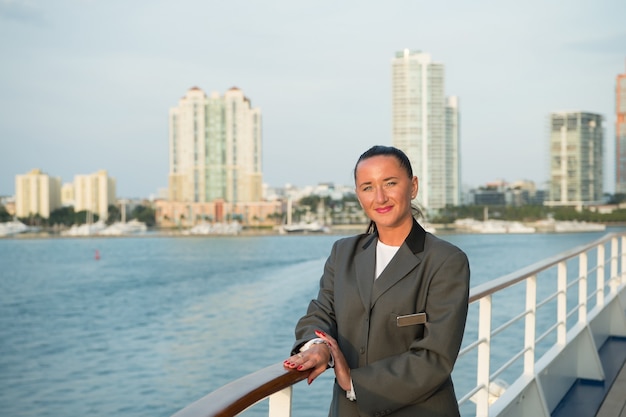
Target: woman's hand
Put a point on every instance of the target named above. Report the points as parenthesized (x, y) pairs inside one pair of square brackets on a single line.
[(342, 371), (315, 357)]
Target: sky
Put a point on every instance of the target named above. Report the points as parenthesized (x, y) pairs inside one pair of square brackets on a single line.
[(87, 85)]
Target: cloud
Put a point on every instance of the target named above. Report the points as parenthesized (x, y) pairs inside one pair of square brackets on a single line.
[(608, 44), (20, 11)]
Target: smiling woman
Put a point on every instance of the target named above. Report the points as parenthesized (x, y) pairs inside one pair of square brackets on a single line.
[(391, 307)]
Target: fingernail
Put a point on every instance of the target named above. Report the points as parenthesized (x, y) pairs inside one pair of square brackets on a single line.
[(320, 332), (300, 367)]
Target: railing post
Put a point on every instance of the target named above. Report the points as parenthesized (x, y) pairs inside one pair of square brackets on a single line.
[(582, 288), (561, 304), (280, 403), (622, 274), (484, 356), (530, 325), (614, 282), (600, 277)]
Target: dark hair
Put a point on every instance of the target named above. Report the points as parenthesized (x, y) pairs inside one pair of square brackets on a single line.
[(403, 160), (380, 150)]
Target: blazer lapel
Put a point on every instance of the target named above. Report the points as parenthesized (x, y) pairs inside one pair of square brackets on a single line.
[(406, 259), (402, 263)]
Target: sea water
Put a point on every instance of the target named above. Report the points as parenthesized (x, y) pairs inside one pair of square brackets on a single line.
[(144, 326)]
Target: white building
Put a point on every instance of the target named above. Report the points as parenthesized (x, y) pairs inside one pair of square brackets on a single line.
[(215, 148), (94, 193), (36, 193), (576, 153), (425, 125)]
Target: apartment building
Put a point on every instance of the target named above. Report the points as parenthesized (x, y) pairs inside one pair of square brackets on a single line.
[(94, 193), (215, 148), (576, 152), (36, 193)]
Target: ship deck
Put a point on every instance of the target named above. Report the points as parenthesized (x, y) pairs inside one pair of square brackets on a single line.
[(600, 398), (614, 404)]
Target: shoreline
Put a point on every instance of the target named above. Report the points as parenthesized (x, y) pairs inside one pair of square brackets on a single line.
[(337, 230)]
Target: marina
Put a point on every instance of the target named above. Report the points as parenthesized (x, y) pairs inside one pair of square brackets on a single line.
[(204, 228)]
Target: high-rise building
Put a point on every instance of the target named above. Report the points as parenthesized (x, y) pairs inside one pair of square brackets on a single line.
[(620, 134), (67, 194), (452, 186), (215, 148), (94, 193), (576, 153), (425, 125), (36, 193)]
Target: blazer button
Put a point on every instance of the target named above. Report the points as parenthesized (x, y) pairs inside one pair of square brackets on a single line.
[(362, 350)]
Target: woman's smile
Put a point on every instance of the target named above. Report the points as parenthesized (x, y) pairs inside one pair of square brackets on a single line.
[(383, 210)]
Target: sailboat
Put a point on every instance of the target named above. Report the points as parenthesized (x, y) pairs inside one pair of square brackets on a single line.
[(313, 226)]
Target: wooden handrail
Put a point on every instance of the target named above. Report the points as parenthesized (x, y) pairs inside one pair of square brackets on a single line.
[(233, 398)]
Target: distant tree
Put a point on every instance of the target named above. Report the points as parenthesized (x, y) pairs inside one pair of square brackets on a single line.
[(145, 214), (4, 215), (82, 216), (115, 215), (349, 197), (276, 217), (34, 220), (310, 201), (63, 215)]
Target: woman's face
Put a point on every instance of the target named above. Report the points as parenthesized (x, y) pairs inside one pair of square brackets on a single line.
[(385, 191)]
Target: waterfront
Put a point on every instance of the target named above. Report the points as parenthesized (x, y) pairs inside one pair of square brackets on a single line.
[(156, 323)]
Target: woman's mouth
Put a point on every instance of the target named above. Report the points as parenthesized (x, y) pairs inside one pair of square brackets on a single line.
[(383, 210)]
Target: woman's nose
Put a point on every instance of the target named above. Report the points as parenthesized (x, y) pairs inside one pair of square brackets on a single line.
[(381, 197)]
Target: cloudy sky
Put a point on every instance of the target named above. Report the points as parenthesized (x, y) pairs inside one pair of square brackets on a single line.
[(87, 84)]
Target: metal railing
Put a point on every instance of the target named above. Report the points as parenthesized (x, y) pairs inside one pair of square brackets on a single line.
[(544, 340), (547, 322)]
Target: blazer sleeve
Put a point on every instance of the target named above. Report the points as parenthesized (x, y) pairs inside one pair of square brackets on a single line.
[(425, 368), (320, 313)]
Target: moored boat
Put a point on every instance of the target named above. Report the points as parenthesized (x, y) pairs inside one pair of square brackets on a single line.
[(124, 228), (87, 229), (218, 228), (302, 227), (13, 228)]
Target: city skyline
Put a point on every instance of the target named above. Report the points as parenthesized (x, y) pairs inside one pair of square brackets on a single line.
[(85, 87)]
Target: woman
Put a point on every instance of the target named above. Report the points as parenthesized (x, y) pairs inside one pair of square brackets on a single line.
[(391, 308)]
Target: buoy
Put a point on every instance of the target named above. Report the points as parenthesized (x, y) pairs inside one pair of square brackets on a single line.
[(97, 254)]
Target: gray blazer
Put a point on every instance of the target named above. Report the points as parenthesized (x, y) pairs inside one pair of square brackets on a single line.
[(396, 370)]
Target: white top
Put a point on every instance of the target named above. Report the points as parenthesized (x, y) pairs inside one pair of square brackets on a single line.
[(384, 254)]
